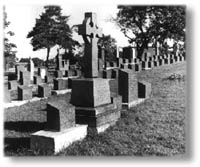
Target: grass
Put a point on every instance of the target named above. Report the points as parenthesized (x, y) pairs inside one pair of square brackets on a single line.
[(153, 128)]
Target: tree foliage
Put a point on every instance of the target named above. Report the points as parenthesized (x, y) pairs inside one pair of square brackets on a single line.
[(51, 29), (110, 46), (143, 25), (9, 47)]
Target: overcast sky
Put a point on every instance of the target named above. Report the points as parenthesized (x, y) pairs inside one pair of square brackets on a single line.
[(22, 18)]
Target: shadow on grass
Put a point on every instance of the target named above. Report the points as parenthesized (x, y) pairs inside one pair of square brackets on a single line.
[(14, 145), (25, 126)]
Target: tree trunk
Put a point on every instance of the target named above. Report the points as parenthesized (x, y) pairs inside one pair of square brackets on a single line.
[(48, 51)]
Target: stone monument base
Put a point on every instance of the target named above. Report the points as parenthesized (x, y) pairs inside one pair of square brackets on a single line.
[(99, 118), (53, 142)]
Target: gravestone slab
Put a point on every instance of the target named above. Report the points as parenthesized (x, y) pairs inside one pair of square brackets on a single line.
[(12, 85), (128, 86), (42, 72), (49, 79), (54, 142), (18, 68), (24, 78), (107, 74), (60, 83), (37, 80), (144, 89), (94, 92), (7, 96), (44, 90), (31, 68), (60, 115), (24, 92), (58, 74)]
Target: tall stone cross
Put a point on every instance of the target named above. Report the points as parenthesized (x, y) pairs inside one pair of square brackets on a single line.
[(90, 32)]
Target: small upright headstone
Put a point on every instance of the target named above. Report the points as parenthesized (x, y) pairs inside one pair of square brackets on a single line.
[(128, 86), (31, 68), (25, 78), (24, 92)]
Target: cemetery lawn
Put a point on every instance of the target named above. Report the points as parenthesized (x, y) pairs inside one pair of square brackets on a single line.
[(155, 127)]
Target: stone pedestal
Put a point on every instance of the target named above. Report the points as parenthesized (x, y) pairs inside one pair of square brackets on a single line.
[(99, 118), (90, 92), (53, 142)]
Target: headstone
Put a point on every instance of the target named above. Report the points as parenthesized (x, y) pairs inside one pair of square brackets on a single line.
[(37, 80), (144, 89), (128, 87), (60, 83), (18, 68), (44, 90), (61, 129), (60, 115), (42, 72), (24, 78), (129, 53), (24, 92), (58, 74), (90, 32), (31, 68), (12, 85), (7, 96), (49, 79)]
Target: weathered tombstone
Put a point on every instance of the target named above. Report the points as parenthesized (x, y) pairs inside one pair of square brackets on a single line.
[(37, 79), (19, 67), (129, 53), (42, 72), (128, 87), (12, 85), (107, 74), (144, 89), (31, 68), (24, 78), (58, 74), (7, 96), (95, 92), (24, 92), (49, 79), (60, 83), (44, 90), (61, 129)]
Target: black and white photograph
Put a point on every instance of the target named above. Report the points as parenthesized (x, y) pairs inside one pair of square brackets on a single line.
[(96, 80)]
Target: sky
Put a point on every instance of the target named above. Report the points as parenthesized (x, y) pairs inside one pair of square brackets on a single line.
[(22, 18)]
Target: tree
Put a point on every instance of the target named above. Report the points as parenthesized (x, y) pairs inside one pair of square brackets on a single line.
[(9, 52), (51, 29), (110, 46), (144, 25)]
